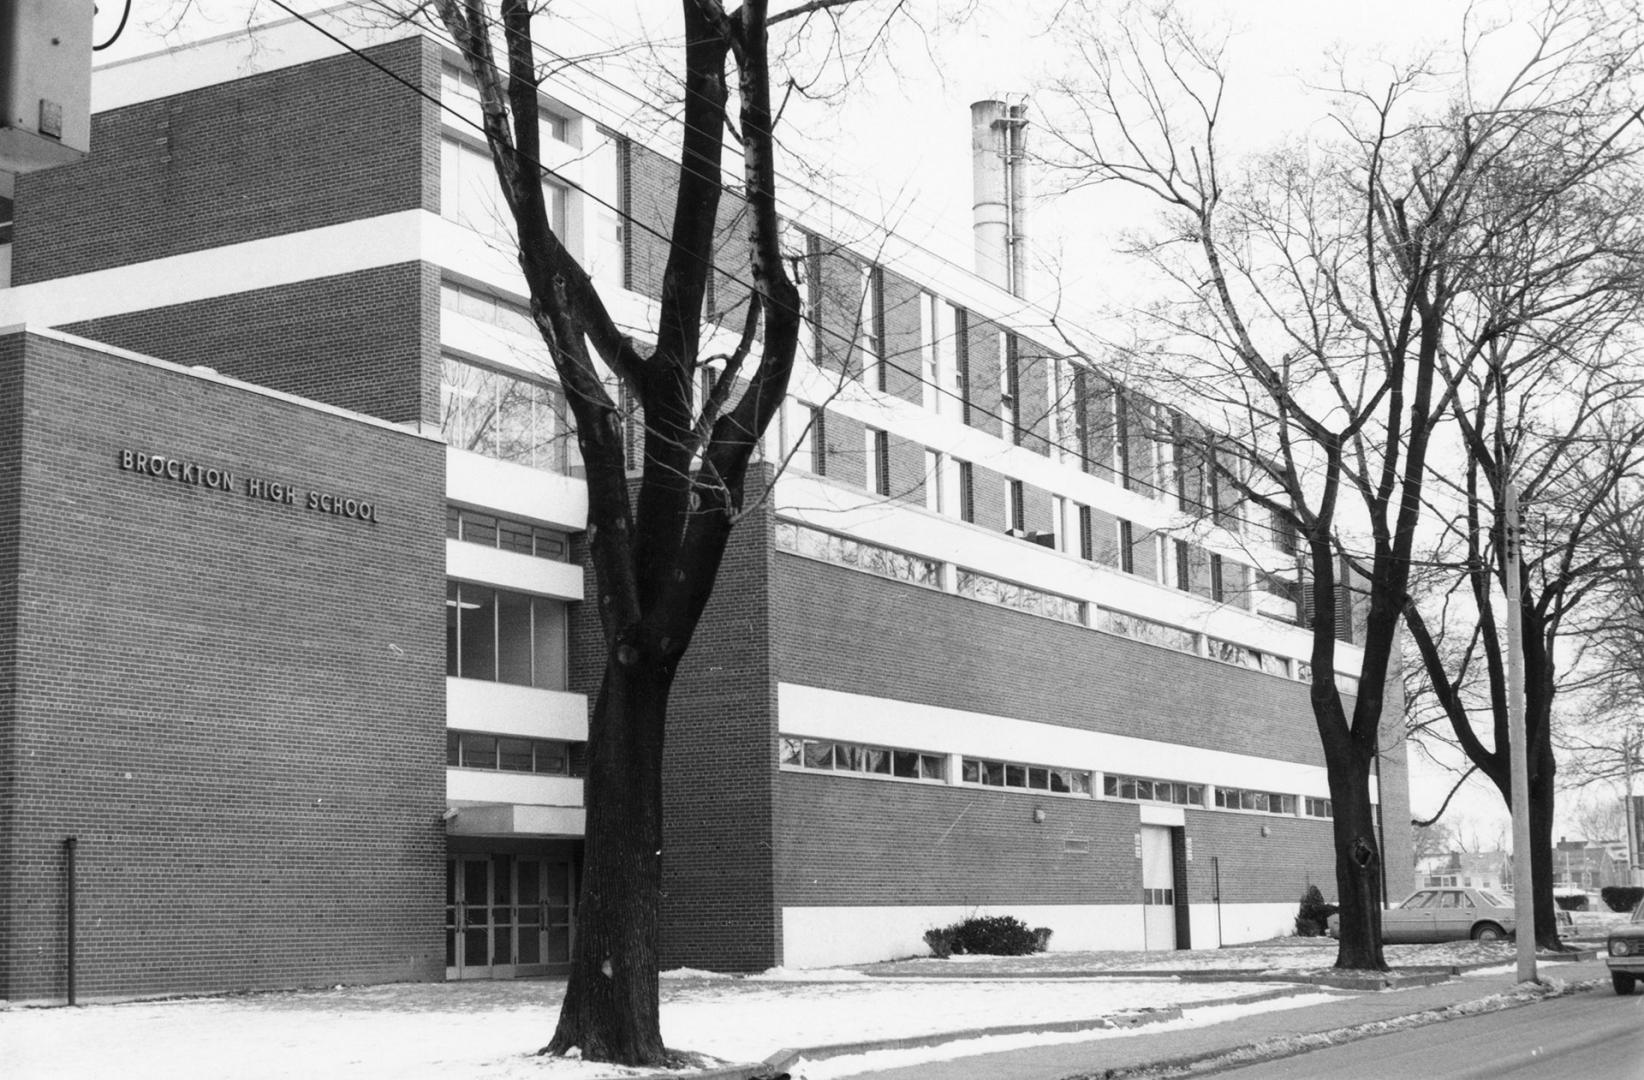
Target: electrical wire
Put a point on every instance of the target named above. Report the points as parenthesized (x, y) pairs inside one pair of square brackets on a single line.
[(118, 30), (820, 330)]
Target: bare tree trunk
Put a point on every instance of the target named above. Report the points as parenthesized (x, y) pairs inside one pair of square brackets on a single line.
[(611, 1003), (1358, 865)]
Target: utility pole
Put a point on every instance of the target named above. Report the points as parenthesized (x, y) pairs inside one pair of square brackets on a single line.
[(1523, 885)]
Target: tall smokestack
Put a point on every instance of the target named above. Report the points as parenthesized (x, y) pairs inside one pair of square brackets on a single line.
[(998, 147)]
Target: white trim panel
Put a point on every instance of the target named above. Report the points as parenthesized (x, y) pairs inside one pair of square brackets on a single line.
[(832, 714), (504, 709), (484, 785), (1169, 816), (510, 820), (511, 490), (512, 570)]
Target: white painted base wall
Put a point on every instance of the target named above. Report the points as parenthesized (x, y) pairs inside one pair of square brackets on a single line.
[(1239, 922), (815, 937)]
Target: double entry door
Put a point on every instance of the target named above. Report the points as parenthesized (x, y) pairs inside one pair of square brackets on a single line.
[(506, 915)]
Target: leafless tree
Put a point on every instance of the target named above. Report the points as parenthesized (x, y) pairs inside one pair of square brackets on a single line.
[(1556, 408), (655, 544), (1320, 303)]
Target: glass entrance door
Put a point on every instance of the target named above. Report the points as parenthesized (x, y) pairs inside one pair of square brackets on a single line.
[(506, 915)]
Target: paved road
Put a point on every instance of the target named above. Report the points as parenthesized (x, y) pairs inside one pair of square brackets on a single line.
[(1146, 1047), (1585, 1035)]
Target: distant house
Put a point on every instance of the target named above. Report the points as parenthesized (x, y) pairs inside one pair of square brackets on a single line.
[(1465, 869), (1589, 865)]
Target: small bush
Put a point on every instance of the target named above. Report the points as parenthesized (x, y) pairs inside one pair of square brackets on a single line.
[(1313, 914), (1572, 901), (940, 940), (987, 935), (1621, 897)]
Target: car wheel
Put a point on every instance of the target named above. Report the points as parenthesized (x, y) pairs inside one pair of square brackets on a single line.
[(1489, 931), (1622, 981)]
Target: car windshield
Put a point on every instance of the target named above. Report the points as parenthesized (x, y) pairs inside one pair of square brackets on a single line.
[(1492, 899), (1638, 912)]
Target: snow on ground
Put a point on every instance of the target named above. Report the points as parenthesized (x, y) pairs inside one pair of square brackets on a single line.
[(489, 1030)]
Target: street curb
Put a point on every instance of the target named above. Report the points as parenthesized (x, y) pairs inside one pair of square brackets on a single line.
[(783, 1060)]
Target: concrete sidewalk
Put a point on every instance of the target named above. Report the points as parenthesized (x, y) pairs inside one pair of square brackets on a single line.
[(1145, 1051)]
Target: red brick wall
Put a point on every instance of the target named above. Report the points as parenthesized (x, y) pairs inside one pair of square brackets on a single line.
[(11, 440), (274, 153), (914, 644), (367, 341), (844, 840), (718, 763), (237, 706)]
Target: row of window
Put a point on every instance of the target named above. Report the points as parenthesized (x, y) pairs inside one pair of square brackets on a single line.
[(1268, 802), (502, 636), (1031, 777), (1147, 789), (522, 537), (994, 590), (857, 554), (950, 488), (544, 757), (832, 755)]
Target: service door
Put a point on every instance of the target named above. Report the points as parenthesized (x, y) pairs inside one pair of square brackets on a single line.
[(1158, 889)]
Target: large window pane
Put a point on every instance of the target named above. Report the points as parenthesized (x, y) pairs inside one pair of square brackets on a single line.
[(550, 644), (514, 755), (477, 615), (479, 528), (479, 751), (514, 638), (516, 426)]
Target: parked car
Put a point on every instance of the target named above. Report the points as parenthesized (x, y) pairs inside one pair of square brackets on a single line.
[(1446, 915), (1627, 952)]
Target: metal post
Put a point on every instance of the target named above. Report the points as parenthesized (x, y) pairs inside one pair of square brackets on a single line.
[(69, 844), (1216, 872), (1523, 879), (1629, 745)]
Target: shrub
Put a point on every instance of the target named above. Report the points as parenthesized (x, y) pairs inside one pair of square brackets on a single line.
[(1621, 897), (1313, 914), (940, 940), (1575, 901), (987, 935)]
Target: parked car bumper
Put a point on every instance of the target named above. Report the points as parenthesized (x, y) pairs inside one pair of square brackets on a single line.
[(1630, 965)]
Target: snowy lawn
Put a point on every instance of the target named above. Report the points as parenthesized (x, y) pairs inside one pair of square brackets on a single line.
[(489, 1030)]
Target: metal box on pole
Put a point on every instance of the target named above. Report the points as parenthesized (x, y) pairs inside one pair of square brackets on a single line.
[(45, 83)]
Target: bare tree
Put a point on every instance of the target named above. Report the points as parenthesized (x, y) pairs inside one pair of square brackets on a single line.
[(655, 551), (1316, 302), (1555, 409)]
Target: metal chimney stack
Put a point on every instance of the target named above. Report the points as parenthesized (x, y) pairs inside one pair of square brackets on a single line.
[(998, 148)]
